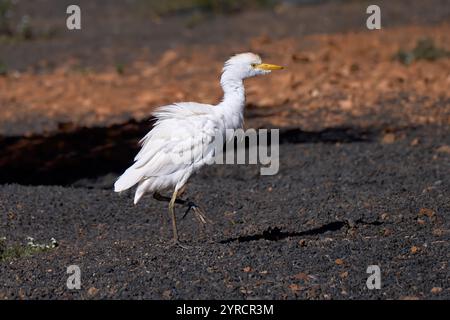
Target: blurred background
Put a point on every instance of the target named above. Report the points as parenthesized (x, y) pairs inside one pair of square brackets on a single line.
[(131, 56)]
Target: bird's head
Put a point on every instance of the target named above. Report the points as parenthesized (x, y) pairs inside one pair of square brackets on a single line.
[(246, 65)]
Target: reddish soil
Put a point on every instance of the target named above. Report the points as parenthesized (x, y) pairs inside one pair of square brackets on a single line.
[(337, 79)]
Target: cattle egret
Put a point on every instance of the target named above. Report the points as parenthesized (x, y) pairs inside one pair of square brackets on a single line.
[(189, 126)]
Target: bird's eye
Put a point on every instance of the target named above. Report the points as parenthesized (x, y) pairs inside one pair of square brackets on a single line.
[(254, 65)]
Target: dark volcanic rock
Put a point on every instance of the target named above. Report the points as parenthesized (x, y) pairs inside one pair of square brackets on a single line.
[(310, 231)]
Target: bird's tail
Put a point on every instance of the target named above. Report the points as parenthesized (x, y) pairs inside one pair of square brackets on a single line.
[(128, 179)]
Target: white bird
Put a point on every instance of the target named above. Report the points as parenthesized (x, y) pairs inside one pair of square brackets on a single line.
[(189, 127)]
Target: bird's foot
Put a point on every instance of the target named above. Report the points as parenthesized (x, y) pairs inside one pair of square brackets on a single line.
[(198, 211)]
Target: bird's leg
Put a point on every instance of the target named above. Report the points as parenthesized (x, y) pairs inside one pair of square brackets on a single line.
[(174, 220), (198, 211)]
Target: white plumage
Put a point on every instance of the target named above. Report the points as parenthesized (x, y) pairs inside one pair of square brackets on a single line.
[(189, 128), (179, 127)]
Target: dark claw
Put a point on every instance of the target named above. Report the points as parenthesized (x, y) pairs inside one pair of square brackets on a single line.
[(198, 211), (191, 206)]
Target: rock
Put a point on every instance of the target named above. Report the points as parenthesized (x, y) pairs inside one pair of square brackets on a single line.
[(426, 212), (92, 291), (168, 57), (436, 290), (388, 138), (409, 298), (295, 287), (414, 142), (444, 149), (346, 104), (167, 294), (301, 276)]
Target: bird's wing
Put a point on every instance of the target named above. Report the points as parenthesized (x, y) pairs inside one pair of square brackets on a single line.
[(180, 140), (173, 120)]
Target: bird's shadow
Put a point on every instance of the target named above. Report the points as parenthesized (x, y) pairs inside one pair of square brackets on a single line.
[(276, 234)]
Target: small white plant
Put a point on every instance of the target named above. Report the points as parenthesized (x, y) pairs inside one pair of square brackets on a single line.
[(32, 244)]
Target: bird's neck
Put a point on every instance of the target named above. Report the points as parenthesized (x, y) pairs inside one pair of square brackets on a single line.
[(233, 99)]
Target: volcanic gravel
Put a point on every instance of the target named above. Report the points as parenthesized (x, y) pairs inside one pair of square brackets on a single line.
[(309, 231)]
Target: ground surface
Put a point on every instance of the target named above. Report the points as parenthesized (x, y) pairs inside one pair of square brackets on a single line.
[(308, 232), (364, 157)]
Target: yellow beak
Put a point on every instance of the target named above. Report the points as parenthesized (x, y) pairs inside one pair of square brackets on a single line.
[(266, 66)]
